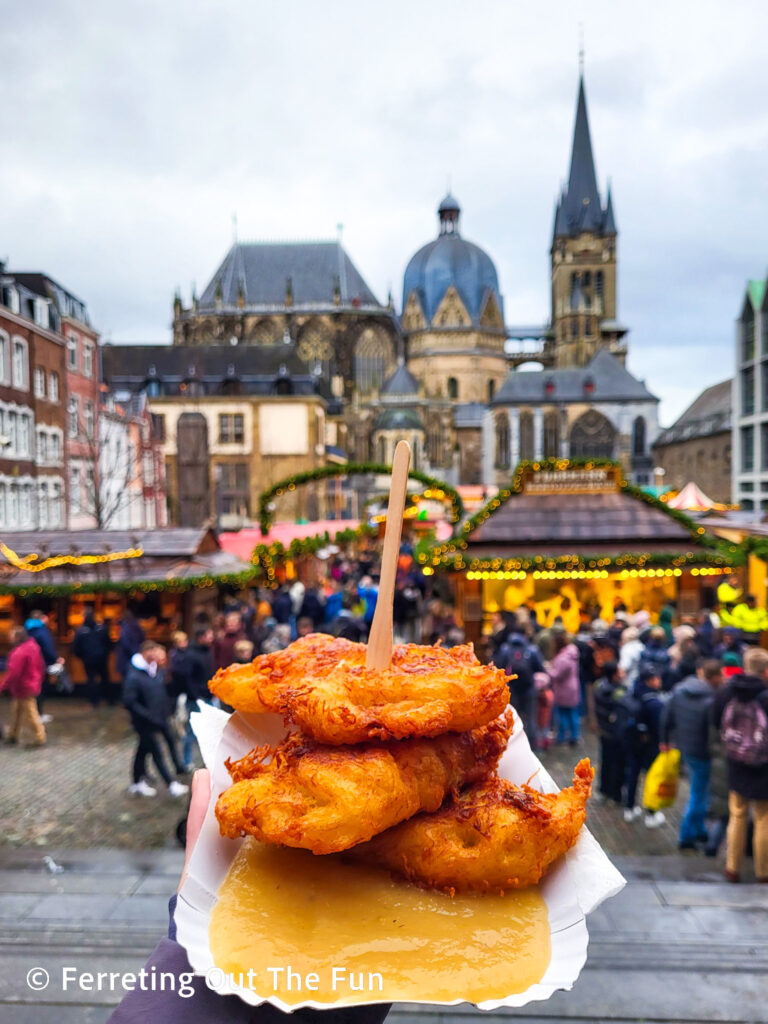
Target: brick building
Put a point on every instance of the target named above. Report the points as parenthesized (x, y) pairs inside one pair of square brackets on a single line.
[(80, 379), (32, 415)]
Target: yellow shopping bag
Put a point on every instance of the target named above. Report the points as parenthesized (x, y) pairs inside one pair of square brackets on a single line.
[(661, 781)]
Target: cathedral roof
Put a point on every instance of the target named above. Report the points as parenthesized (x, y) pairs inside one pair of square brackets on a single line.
[(603, 379), (261, 272), (579, 207), (451, 260), (402, 382)]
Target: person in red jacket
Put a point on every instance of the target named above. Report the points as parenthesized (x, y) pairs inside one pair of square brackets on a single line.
[(24, 681)]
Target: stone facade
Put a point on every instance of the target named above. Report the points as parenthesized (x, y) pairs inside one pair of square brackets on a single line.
[(697, 447)]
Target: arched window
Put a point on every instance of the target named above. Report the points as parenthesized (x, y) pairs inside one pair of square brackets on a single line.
[(453, 387), (593, 436), (599, 290), (575, 289), (382, 449), (551, 434), (638, 436), (491, 389), (373, 359), (502, 441), (526, 435)]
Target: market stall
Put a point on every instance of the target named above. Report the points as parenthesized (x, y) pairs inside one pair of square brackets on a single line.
[(567, 539), (165, 577)]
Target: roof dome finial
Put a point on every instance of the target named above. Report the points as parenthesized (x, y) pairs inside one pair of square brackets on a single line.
[(449, 211)]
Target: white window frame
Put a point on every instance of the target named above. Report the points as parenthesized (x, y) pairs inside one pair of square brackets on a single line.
[(42, 312), (20, 373), (88, 359), (72, 350), (54, 389), (89, 420), (5, 358), (39, 380), (73, 407)]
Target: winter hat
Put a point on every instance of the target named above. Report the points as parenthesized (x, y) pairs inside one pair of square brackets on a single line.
[(641, 619)]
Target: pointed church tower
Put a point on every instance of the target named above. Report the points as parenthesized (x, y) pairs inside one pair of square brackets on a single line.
[(584, 314)]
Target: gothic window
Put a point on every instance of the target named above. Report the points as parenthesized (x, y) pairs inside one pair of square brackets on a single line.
[(453, 387), (315, 349), (382, 450), (263, 332), (526, 434), (373, 358), (575, 289), (551, 434), (638, 436), (502, 441), (491, 389), (586, 279), (588, 327), (599, 290), (435, 444), (592, 436), (574, 327)]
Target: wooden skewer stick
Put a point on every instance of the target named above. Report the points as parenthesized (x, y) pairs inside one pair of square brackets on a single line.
[(382, 637)]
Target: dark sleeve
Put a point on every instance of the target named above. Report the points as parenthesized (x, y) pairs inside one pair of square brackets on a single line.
[(537, 663), (722, 697), (204, 1006), (47, 647), (667, 720), (131, 698)]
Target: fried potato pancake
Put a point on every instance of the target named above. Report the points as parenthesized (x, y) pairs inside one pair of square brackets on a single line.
[(321, 684), (491, 837), (327, 799)]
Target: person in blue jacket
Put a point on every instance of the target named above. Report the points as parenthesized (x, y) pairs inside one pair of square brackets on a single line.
[(37, 627)]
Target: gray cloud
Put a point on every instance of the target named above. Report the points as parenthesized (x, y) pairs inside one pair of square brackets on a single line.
[(132, 132)]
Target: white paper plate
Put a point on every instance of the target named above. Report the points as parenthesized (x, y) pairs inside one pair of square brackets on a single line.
[(582, 880)]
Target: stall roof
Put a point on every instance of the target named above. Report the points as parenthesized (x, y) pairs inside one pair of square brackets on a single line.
[(553, 523), (167, 555), (168, 542)]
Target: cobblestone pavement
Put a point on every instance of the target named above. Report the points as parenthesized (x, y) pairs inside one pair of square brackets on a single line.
[(73, 792)]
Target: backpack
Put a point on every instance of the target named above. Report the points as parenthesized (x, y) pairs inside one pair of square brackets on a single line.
[(517, 663), (744, 731), (625, 718)]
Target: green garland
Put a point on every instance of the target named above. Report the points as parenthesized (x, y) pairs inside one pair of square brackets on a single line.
[(447, 555), (176, 586), (353, 468), (585, 563), (266, 556)]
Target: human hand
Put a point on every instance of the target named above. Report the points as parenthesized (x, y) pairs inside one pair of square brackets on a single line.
[(198, 805)]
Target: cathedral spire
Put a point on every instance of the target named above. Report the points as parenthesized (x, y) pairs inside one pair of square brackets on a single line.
[(580, 208)]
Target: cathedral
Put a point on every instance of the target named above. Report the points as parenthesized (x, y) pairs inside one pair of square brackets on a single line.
[(471, 393)]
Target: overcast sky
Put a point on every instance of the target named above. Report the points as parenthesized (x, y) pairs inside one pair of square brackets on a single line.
[(131, 132)]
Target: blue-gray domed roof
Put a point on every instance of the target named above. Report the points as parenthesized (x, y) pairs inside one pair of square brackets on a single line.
[(451, 260)]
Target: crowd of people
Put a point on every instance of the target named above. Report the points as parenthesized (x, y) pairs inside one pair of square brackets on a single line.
[(698, 685)]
